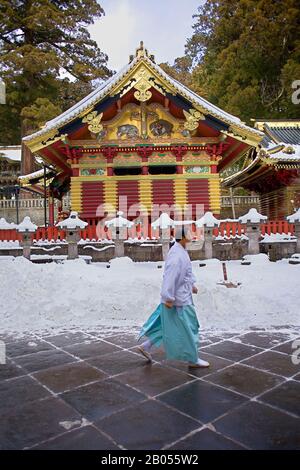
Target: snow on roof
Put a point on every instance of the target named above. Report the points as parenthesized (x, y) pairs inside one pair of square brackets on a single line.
[(294, 217), (183, 222), (13, 152), (282, 151), (26, 225), (72, 222), (164, 221), (209, 220), (252, 216), (119, 221), (4, 225), (35, 174), (101, 91)]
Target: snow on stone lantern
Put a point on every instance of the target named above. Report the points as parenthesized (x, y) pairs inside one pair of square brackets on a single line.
[(164, 223), (26, 229), (253, 220), (208, 222), (119, 226), (295, 219), (72, 226)]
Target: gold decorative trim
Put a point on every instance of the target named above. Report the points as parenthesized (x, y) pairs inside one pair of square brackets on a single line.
[(192, 119), (94, 122)]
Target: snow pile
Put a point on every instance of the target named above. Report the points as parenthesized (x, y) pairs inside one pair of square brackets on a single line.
[(252, 216), (278, 237), (231, 237), (7, 245), (39, 297), (47, 242), (4, 225), (294, 217)]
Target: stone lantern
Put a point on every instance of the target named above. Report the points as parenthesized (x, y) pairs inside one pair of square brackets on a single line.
[(295, 219), (119, 226), (209, 223), (164, 223), (26, 229), (72, 226), (253, 220)]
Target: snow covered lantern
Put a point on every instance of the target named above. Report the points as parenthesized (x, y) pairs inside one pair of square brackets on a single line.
[(164, 223), (208, 222), (119, 226), (26, 228), (72, 226), (295, 219), (253, 219)]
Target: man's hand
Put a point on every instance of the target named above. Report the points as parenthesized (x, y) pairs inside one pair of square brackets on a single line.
[(195, 290), (169, 304)]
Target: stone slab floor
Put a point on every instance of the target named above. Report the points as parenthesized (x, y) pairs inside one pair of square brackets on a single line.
[(93, 390)]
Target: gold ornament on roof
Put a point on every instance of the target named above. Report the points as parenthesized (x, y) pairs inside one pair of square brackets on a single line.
[(289, 149), (192, 119), (94, 122), (142, 85), (141, 51)]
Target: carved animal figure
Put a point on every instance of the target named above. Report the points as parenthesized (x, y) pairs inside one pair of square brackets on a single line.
[(161, 127), (128, 130)]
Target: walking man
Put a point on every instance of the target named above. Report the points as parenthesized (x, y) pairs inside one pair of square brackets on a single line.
[(174, 324)]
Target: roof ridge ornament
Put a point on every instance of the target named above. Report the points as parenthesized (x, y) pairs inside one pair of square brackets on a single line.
[(140, 52)]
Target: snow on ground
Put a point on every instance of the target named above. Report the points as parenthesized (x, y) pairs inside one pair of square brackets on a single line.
[(40, 297)]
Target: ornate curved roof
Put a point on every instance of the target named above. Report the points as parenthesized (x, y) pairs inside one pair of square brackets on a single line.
[(127, 78)]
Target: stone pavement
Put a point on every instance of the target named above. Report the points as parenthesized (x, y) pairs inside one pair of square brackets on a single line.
[(86, 390)]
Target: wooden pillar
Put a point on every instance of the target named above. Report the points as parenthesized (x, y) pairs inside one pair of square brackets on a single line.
[(51, 210)]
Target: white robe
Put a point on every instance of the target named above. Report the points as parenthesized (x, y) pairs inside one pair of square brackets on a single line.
[(178, 279)]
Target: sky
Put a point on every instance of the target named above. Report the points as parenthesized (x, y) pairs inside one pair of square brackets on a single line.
[(163, 25)]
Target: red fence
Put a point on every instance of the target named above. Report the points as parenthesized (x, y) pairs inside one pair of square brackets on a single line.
[(90, 233)]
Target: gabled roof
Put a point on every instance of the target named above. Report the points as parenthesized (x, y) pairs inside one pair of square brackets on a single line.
[(126, 74), (281, 141), (280, 146), (279, 130)]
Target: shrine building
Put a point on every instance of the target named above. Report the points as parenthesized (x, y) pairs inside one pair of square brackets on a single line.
[(142, 135), (272, 170)]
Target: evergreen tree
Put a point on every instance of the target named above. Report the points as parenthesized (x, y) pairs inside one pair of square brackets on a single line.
[(40, 41), (246, 55), (180, 70)]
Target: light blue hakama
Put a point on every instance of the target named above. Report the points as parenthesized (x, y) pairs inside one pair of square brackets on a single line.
[(176, 329)]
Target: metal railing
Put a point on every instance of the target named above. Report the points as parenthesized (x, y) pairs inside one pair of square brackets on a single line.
[(39, 202), (30, 203), (226, 201)]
